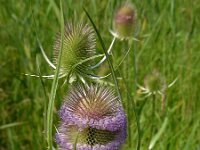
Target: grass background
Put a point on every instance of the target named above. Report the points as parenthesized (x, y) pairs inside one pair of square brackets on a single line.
[(168, 33)]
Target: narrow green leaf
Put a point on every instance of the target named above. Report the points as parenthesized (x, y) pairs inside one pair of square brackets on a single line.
[(158, 135), (54, 87), (10, 125), (107, 55)]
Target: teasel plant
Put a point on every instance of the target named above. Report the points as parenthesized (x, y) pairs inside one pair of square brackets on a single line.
[(155, 85), (79, 53), (154, 89), (78, 49), (89, 98), (74, 50), (104, 122)]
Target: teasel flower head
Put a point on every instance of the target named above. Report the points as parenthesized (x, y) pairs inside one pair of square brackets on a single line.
[(78, 44), (92, 117), (124, 21), (155, 82)]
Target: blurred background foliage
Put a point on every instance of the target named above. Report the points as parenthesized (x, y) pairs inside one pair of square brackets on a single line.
[(168, 34)]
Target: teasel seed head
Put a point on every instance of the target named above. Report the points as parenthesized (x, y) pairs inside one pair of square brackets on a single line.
[(155, 82), (124, 21), (78, 44), (94, 116)]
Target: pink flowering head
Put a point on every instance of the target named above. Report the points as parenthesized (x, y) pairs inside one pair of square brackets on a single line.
[(124, 21), (93, 118)]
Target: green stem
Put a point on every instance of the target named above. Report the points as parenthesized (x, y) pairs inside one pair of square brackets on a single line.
[(130, 42), (125, 75), (45, 94), (134, 61), (152, 117), (54, 88), (130, 116)]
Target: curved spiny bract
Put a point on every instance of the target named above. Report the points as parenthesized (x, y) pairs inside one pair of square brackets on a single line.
[(78, 44)]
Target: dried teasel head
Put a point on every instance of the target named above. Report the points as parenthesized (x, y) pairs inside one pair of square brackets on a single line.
[(78, 44), (93, 118)]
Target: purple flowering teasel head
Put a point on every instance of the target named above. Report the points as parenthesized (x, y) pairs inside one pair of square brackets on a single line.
[(93, 118)]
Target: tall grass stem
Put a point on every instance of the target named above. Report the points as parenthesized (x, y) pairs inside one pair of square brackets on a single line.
[(107, 56), (54, 87), (152, 118), (132, 44)]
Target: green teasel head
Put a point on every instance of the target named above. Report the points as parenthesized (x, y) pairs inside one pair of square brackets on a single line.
[(124, 21), (154, 82), (78, 45)]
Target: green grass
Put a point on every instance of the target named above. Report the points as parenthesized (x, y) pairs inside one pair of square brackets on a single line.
[(168, 41)]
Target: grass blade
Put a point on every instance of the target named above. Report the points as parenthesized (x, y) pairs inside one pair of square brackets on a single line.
[(107, 55), (54, 87), (10, 125), (157, 136)]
